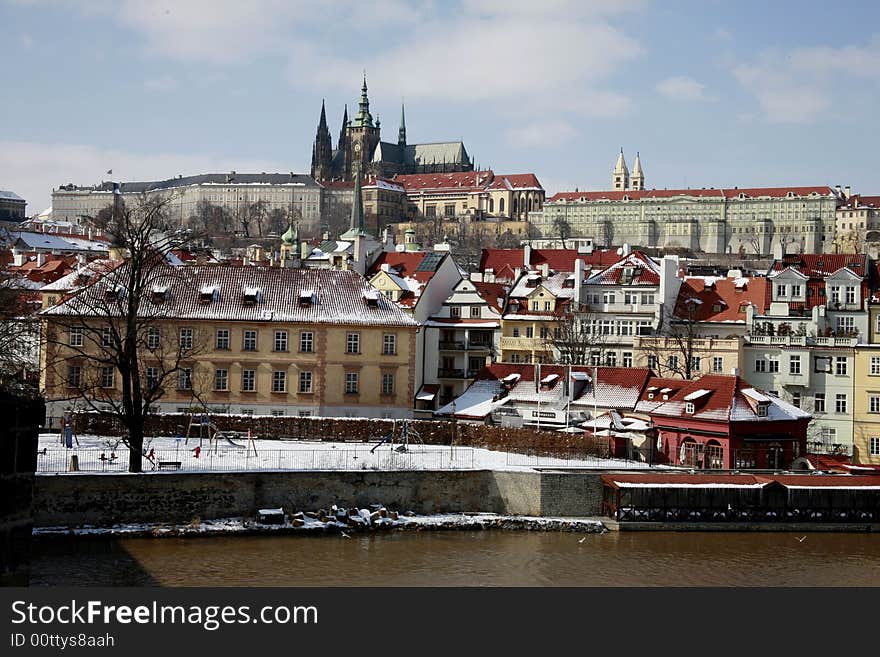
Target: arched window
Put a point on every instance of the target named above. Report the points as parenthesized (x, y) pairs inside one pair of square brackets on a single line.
[(530, 203), (501, 205), (514, 205), (491, 205)]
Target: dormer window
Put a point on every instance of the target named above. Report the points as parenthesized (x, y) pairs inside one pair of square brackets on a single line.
[(689, 408), (113, 293), (762, 408), (306, 298), (252, 296), (159, 294), (208, 294), (371, 298)]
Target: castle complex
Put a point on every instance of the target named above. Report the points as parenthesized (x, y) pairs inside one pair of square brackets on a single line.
[(360, 147)]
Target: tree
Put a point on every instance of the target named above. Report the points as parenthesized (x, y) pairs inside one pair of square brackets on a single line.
[(210, 218), (562, 228), (19, 335), (673, 347), (111, 343), (575, 338)]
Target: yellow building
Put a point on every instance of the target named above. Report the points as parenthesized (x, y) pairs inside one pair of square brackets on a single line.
[(866, 404), (666, 355), (250, 340)]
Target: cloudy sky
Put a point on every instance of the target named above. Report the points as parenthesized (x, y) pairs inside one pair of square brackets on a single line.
[(711, 92)]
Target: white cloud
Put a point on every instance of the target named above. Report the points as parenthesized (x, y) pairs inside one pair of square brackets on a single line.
[(542, 133), (683, 88), (32, 170), (800, 86)]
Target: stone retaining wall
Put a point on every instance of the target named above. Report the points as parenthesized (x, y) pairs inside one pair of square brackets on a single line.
[(103, 500)]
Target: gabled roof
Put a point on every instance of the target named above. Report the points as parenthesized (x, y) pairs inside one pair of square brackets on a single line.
[(644, 272), (820, 265), (720, 399), (516, 181), (448, 152), (340, 297), (721, 299), (493, 294), (510, 383), (459, 181)]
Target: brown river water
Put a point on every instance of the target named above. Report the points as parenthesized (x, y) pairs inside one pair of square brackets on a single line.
[(466, 558)]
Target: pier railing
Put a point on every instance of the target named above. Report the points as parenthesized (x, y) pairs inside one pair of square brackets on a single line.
[(186, 459)]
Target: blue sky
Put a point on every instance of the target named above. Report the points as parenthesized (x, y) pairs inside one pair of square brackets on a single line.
[(712, 93)]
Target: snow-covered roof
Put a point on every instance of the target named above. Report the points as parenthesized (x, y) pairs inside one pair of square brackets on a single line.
[(339, 295), (697, 394)]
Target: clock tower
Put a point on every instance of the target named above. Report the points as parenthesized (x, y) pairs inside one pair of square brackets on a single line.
[(362, 136)]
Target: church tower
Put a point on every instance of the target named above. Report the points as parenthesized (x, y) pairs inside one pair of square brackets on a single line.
[(363, 136), (342, 139), (637, 180), (401, 132), (620, 176), (322, 150)]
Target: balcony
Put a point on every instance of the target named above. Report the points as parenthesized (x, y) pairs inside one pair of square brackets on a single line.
[(479, 346), (782, 340), (456, 374), (836, 342), (822, 447), (451, 346)]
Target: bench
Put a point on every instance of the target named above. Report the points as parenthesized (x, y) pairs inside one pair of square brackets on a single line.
[(169, 465)]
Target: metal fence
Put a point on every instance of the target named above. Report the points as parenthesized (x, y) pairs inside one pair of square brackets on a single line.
[(185, 459)]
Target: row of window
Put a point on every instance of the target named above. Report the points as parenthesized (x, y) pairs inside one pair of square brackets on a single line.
[(823, 365), (249, 340), (221, 380)]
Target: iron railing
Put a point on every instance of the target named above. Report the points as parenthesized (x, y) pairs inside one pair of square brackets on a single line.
[(208, 459)]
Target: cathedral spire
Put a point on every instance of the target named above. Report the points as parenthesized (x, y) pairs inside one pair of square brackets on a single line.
[(401, 133), (363, 118), (357, 225), (620, 176), (322, 150), (341, 143), (637, 179)]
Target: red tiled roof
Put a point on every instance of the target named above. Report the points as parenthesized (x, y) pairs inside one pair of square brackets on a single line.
[(635, 195), (516, 181), (626, 377), (709, 478), (492, 293), (444, 181), (649, 274), (722, 300), (503, 262), (404, 263), (820, 265)]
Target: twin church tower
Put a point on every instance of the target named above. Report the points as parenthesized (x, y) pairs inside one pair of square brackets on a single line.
[(360, 148)]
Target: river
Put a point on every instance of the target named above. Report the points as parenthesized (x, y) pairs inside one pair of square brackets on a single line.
[(465, 558)]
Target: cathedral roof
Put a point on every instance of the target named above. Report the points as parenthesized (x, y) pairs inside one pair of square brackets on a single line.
[(450, 152)]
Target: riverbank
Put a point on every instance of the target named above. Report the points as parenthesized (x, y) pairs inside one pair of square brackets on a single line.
[(315, 526)]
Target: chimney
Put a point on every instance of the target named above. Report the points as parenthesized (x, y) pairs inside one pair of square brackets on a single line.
[(578, 282), (778, 251), (837, 189), (847, 191), (545, 270), (41, 259), (527, 256), (734, 371), (18, 259)]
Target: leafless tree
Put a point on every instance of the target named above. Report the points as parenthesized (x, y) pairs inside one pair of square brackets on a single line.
[(576, 338), (563, 229), (19, 335), (210, 219), (112, 344), (673, 347)]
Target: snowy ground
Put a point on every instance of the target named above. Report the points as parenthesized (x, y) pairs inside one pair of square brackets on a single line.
[(106, 454)]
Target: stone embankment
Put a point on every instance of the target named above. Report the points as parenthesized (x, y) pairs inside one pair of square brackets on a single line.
[(336, 520)]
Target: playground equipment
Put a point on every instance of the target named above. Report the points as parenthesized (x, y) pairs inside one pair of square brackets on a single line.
[(207, 430), (405, 433)]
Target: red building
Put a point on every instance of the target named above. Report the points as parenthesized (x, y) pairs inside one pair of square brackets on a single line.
[(722, 422)]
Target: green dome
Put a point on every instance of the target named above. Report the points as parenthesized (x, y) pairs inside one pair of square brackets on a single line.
[(290, 236)]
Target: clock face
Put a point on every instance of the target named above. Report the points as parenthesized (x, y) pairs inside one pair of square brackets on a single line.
[(357, 148)]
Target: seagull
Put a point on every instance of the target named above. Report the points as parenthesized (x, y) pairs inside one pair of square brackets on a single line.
[(801, 539), (344, 535), (583, 539)]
